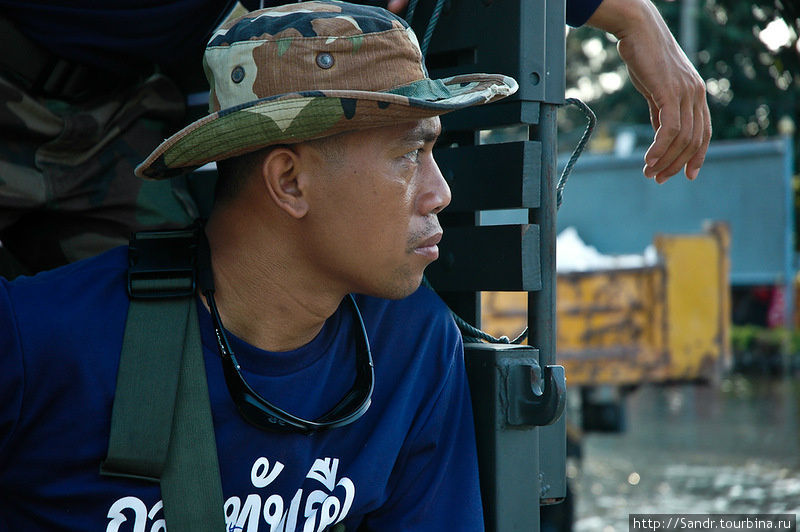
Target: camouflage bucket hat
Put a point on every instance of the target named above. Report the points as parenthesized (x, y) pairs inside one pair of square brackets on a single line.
[(303, 71)]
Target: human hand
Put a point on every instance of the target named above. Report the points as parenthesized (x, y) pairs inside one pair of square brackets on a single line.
[(662, 73), (397, 6)]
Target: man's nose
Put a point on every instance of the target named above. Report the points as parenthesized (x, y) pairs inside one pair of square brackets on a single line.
[(437, 194)]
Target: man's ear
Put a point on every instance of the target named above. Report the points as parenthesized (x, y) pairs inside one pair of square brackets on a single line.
[(286, 184)]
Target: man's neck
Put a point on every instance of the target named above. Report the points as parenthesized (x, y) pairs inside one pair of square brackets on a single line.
[(264, 294)]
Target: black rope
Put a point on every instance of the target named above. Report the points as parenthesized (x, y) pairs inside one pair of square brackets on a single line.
[(591, 122), (426, 40), (437, 11), (473, 334), (470, 333), (412, 7)]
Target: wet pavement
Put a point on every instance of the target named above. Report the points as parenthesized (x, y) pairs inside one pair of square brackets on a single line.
[(733, 447)]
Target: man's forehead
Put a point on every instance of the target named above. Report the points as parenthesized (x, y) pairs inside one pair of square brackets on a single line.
[(426, 129), (400, 135)]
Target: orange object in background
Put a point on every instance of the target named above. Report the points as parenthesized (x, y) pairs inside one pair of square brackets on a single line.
[(665, 322)]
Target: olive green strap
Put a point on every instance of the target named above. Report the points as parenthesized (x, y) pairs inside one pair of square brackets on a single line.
[(147, 384), (161, 424), (191, 484)]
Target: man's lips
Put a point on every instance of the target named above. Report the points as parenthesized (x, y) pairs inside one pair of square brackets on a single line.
[(428, 247)]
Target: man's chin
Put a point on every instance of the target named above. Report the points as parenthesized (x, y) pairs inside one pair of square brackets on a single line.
[(403, 285)]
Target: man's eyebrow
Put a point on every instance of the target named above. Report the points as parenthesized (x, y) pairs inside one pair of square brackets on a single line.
[(425, 132)]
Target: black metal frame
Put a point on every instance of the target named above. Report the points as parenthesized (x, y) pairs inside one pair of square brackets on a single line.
[(518, 391)]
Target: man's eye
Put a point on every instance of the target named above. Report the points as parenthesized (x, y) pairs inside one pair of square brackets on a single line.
[(413, 155)]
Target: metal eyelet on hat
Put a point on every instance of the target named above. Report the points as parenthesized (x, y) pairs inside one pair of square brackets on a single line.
[(324, 60), (237, 74)]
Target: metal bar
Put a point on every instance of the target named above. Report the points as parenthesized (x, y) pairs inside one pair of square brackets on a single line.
[(551, 442), (555, 50), (789, 297), (542, 303)]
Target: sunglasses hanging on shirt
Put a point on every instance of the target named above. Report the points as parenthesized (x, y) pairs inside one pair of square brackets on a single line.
[(253, 407)]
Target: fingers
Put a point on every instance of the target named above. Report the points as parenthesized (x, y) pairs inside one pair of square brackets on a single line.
[(397, 6), (696, 161), (681, 140), (682, 158), (670, 143), (692, 157), (662, 151)]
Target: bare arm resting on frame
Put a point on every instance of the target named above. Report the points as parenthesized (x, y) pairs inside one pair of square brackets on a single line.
[(662, 73)]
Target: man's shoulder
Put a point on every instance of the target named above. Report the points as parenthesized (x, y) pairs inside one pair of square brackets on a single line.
[(105, 266), (71, 291)]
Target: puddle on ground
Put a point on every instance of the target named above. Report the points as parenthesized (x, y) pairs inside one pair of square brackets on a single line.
[(733, 447)]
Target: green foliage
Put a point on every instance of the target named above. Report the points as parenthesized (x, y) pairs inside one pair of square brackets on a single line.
[(743, 337), (751, 88), (753, 338)]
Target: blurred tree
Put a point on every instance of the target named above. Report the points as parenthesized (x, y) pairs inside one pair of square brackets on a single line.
[(747, 52)]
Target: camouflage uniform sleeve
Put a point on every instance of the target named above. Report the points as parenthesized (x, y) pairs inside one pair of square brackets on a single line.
[(67, 188)]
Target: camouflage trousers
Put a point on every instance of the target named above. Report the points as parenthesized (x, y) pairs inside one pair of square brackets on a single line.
[(67, 188)]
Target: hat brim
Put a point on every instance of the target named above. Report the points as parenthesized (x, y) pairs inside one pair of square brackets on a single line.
[(301, 116)]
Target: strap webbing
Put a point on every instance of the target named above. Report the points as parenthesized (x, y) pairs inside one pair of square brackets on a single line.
[(191, 485), (161, 424), (147, 383)]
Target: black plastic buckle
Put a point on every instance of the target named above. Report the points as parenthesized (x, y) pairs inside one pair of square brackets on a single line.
[(162, 264)]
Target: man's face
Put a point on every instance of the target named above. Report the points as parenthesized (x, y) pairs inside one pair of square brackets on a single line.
[(374, 205)]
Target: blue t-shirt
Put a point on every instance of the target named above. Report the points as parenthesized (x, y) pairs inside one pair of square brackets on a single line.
[(408, 464), (579, 11)]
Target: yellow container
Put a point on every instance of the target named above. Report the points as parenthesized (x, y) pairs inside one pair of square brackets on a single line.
[(664, 322)]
